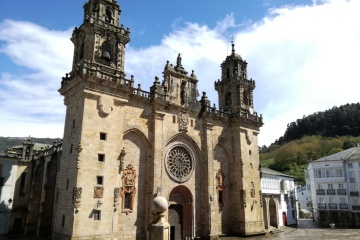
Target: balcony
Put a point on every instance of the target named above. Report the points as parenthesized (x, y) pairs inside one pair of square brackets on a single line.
[(354, 194), (341, 191), (356, 207), (320, 192), (332, 206), (330, 191), (352, 180), (322, 205), (343, 206)]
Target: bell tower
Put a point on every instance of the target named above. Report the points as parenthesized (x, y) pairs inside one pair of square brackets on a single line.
[(235, 91), (103, 38)]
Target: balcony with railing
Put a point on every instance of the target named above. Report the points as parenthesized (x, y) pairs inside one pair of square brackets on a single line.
[(330, 191), (332, 206), (322, 205), (343, 206), (320, 192), (354, 193), (356, 207), (341, 191)]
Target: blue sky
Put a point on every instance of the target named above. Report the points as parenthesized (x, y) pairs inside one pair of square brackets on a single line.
[(303, 54)]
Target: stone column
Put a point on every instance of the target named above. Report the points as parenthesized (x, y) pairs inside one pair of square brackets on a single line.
[(267, 200), (276, 200), (158, 148)]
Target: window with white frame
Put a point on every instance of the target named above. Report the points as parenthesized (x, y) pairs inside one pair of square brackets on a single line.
[(330, 186), (350, 165), (331, 200), (341, 186), (355, 201), (319, 187), (321, 200), (342, 200)]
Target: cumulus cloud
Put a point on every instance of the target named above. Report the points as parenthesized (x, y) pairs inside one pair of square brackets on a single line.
[(303, 59)]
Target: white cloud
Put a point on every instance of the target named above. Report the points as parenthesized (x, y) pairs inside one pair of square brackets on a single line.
[(303, 59)]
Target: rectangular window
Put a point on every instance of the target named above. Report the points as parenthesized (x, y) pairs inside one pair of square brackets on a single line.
[(73, 123), (341, 186), (97, 215), (192, 122), (319, 187), (71, 148), (22, 189), (174, 119), (220, 197), (328, 173), (342, 200), (127, 201), (101, 157), (63, 221), (249, 152), (103, 136), (99, 180), (67, 184), (330, 186), (350, 165)]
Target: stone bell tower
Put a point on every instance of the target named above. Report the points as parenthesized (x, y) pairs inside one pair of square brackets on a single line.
[(234, 89), (88, 181), (103, 38)]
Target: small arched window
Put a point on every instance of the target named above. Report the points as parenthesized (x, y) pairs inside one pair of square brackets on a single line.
[(108, 16), (228, 99)]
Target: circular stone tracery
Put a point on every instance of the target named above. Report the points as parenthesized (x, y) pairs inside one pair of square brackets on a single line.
[(179, 164)]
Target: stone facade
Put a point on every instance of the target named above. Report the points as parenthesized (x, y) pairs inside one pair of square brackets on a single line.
[(123, 145)]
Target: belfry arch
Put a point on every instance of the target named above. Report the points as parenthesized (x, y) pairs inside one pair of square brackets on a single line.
[(180, 216)]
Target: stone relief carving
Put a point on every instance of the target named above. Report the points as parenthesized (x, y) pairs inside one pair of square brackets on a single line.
[(128, 190), (116, 197), (77, 191), (183, 122), (121, 158), (79, 149), (98, 192)]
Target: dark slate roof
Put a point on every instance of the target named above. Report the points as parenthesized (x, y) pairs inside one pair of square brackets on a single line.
[(340, 155), (273, 172)]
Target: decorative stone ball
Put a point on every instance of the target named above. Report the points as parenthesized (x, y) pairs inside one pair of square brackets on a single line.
[(160, 204)]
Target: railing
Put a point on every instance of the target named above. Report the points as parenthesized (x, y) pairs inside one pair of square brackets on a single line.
[(332, 206), (322, 205), (343, 206), (352, 180), (356, 207), (341, 191), (320, 192), (330, 191), (354, 193)]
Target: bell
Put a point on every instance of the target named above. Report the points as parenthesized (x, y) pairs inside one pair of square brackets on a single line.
[(106, 55)]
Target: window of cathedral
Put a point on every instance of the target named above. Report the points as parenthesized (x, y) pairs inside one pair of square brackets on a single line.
[(249, 152), (179, 164), (73, 123), (103, 136), (174, 119), (192, 123), (97, 214), (101, 157), (71, 148), (67, 184), (63, 221), (99, 180)]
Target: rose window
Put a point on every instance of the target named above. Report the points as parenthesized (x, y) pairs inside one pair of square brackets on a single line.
[(179, 164)]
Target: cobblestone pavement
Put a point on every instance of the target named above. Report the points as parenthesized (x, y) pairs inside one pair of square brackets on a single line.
[(306, 230)]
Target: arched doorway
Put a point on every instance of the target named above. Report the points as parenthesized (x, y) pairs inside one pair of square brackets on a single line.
[(181, 214)]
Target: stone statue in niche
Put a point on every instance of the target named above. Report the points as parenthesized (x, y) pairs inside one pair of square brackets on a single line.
[(183, 122), (183, 94), (128, 190)]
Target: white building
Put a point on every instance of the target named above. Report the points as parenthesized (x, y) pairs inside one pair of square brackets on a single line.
[(334, 185), (304, 202), (279, 198), (8, 169)]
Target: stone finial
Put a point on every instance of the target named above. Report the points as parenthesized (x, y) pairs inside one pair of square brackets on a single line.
[(160, 205)]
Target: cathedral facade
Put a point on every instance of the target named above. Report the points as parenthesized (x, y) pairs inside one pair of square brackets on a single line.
[(123, 145)]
